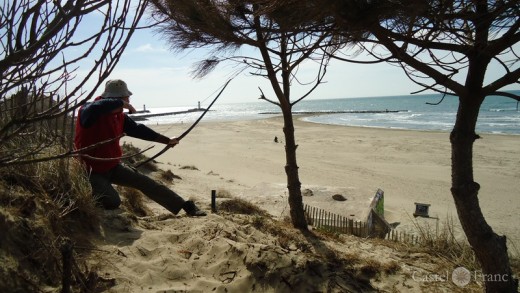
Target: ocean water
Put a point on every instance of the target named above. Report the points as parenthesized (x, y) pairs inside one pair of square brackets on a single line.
[(497, 114)]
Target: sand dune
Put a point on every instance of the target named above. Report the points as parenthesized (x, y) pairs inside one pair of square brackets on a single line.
[(219, 253)]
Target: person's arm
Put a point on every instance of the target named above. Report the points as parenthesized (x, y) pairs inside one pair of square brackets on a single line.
[(90, 112), (141, 131)]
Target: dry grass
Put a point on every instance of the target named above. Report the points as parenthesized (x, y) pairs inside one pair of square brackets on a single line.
[(240, 206), (40, 205), (61, 185), (329, 233), (446, 242), (133, 201), (288, 237), (129, 149), (168, 176), (222, 193), (189, 167)]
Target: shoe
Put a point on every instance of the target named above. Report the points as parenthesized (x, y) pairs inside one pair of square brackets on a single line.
[(192, 210)]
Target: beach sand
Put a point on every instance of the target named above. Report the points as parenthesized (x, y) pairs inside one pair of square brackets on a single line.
[(242, 158), (409, 166)]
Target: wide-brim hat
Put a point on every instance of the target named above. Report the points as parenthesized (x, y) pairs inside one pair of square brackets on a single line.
[(116, 88)]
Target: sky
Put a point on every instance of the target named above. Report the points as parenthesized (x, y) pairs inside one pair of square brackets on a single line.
[(159, 77)]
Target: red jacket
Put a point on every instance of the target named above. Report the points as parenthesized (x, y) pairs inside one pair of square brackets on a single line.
[(107, 126)]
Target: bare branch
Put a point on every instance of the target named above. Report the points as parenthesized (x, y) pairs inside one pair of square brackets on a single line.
[(41, 51), (18, 160), (507, 94), (69, 154), (262, 97)]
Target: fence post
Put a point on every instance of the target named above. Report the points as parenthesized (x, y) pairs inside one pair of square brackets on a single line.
[(313, 213), (320, 212), (213, 201)]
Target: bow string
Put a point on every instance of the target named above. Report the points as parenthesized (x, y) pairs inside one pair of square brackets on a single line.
[(186, 131)]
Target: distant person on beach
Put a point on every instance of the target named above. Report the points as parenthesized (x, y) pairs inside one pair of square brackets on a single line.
[(102, 120)]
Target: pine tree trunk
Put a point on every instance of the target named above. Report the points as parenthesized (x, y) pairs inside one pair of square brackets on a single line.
[(490, 248), (291, 169)]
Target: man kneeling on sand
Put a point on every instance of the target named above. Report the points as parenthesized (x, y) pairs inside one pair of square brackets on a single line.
[(102, 120)]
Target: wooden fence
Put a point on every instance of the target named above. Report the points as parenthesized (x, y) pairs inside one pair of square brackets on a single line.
[(403, 237), (40, 117), (36, 124), (328, 221), (322, 219)]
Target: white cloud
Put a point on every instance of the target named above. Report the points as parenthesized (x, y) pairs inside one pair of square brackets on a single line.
[(144, 48), (149, 48)]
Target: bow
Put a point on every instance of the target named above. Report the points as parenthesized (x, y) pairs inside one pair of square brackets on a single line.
[(186, 131)]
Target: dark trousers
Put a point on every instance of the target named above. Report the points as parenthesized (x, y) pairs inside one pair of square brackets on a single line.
[(123, 175)]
